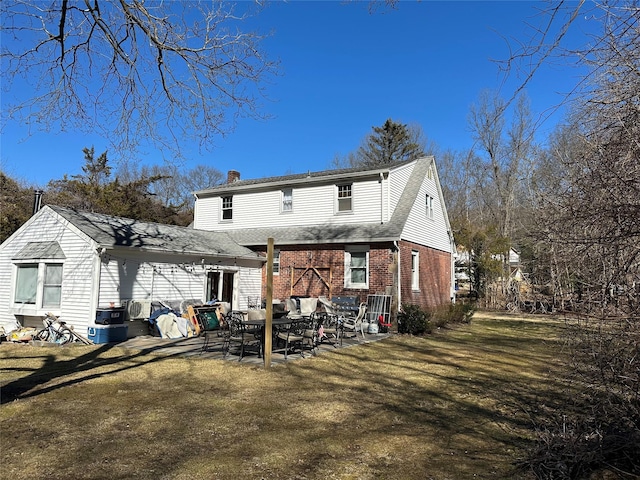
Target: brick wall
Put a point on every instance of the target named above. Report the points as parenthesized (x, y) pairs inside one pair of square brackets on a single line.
[(435, 276), (435, 273), (328, 261)]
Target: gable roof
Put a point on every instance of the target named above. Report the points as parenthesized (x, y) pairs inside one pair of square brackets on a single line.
[(344, 233), (119, 232)]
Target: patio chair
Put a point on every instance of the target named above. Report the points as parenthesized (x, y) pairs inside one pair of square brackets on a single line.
[(212, 322), (353, 324), (301, 333), (327, 325), (237, 333)]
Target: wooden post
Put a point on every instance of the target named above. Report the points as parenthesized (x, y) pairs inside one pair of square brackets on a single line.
[(269, 306)]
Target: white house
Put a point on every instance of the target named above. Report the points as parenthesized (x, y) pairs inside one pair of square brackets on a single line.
[(350, 232), (74, 263)]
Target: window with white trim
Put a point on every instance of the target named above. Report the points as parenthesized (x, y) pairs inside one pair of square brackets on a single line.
[(415, 270), (429, 207), (344, 199), (276, 262), (287, 200), (356, 267), (38, 284), (227, 208)]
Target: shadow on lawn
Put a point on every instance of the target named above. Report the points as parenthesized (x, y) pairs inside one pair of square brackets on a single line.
[(54, 368), (434, 386)]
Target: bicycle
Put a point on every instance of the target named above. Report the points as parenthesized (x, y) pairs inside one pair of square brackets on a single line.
[(55, 331)]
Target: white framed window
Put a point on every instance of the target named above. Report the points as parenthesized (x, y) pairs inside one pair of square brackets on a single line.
[(344, 197), (276, 262), (38, 284), (356, 267), (52, 285), (429, 205), (227, 208), (287, 200), (26, 284), (415, 270)]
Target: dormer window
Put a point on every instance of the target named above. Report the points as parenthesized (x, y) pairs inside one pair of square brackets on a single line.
[(227, 208), (344, 198)]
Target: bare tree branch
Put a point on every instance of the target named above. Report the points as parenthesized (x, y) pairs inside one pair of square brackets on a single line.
[(161, 73)]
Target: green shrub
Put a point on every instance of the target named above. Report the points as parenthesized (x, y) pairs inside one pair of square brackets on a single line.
[(414, 320), (461, 312), (452, 313)]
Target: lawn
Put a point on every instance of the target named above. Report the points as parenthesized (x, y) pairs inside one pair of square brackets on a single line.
[(451, 405)]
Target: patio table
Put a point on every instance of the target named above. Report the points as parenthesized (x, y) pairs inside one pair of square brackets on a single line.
[(262, 322)]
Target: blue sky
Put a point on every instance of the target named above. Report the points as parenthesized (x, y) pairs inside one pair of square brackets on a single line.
[(343, 71)]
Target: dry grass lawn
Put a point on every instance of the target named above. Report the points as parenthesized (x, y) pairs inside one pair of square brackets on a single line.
[(452, 405)]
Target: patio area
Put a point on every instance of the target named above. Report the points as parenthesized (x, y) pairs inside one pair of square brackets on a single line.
[(192, 347)]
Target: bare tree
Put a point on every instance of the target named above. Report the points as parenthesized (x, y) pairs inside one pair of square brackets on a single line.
[(591, 219), (501, 156), (175, 186), (137, 72)]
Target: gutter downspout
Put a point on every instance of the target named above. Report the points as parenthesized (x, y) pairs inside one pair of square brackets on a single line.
[(397, 281), (381, 198)]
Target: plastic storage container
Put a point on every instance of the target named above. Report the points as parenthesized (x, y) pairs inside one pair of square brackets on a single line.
[(110, 316), (108, 333)]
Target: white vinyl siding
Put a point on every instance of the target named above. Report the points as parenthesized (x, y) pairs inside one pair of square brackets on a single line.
[(314, 205), (420, 229), (73, 287)]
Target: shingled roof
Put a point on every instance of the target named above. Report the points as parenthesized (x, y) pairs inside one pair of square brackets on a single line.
[(314, 177), (119, 232)]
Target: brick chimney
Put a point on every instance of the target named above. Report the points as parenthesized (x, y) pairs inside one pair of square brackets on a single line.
[(233, 176)]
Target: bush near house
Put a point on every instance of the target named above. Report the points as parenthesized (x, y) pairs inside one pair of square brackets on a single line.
[(415, 320)]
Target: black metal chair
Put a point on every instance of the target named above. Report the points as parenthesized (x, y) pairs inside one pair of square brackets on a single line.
[(212, 323), (300, 334), (237, 333), (327, 325)]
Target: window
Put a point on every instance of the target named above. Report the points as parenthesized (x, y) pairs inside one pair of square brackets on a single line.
[(287, 200), (227, 208), (415, 270), (52, 287), (45, 293), (356, 267), (26, 284), (430, 207), (276, 262), (344, 198)]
